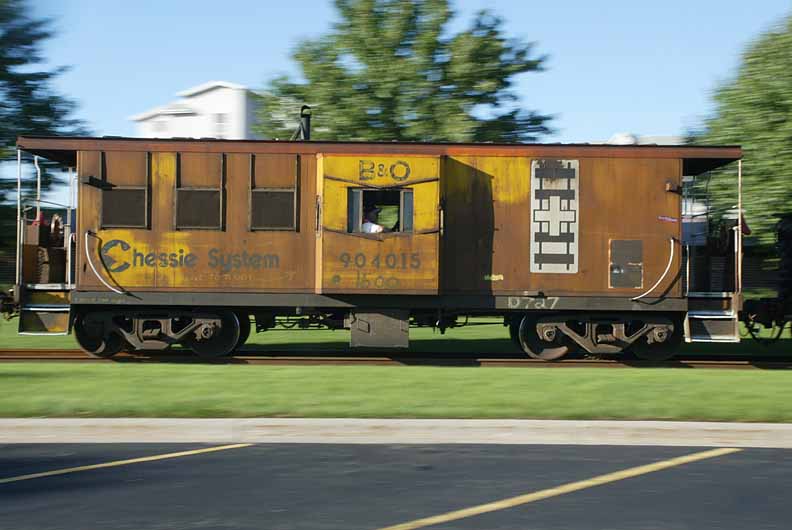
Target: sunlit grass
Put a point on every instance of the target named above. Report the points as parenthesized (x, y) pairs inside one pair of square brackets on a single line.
[(133, 390)]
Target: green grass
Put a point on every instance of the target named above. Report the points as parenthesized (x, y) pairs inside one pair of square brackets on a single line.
[(134, 390)]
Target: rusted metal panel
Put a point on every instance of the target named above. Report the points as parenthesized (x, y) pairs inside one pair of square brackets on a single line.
[(232, 259), (124, 168), (396, 262), (126, 189), (384, 264), (199, 170), (702, 158), (274, 171), (274, 192), (483, 203), (626, 263), (488, 209)]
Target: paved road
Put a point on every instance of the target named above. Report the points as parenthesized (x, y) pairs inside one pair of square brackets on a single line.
[(348, 487)]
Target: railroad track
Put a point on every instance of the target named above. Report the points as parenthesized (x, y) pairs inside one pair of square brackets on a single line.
[(402, 359)]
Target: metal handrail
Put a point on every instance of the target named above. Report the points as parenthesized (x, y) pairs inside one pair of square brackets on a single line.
[(23, 206), (662, 276)]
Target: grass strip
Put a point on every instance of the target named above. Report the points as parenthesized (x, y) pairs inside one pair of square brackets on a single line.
[(127, 390)]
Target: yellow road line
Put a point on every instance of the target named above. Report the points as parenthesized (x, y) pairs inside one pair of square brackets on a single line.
[(561, 490), (121, 463)]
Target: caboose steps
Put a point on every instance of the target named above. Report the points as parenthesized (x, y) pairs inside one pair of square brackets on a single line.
[(708, 326), (45, 310), (713, 317)]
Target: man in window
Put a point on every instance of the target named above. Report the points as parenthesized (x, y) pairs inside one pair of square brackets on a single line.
[(370, 218)]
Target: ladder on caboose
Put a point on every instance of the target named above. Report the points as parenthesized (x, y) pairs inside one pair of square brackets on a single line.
[(714, 314), (44, 264)]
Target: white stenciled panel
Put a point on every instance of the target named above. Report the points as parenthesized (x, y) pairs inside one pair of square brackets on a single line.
[(554, 216)]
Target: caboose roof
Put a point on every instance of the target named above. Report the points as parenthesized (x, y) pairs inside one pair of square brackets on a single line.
[(63, 149)]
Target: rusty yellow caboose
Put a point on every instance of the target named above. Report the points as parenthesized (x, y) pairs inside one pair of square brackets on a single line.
[(186, 241)]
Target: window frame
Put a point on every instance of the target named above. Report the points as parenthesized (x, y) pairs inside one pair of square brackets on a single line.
[(108, 186), (220, 227), (295, 226), (355, 203)]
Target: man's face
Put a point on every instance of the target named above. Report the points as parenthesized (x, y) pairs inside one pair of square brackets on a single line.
[(373, 216)]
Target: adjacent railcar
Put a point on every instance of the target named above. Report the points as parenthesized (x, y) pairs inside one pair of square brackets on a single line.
[(577, 247)]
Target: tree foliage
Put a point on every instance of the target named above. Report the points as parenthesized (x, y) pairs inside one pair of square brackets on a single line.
[(389, 71), (29, 104), (754, 109)]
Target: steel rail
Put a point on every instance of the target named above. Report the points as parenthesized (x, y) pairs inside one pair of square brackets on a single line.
[(403, 359)]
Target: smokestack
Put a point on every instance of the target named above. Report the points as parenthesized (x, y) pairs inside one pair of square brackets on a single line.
[(305, 122)]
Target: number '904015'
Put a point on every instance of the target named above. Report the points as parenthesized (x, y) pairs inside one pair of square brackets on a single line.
[(402, 260)]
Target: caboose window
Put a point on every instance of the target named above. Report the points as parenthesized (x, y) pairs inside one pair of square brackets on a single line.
[(199, 191), (126, 182), (390, 209), (273, 192)]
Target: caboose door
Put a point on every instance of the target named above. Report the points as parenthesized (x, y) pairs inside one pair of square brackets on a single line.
[(378, 224)]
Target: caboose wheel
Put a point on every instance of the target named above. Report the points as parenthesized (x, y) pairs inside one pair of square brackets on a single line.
[(547, 348), (94, 338), (220, 341), (659, 350), (514, 332), (244, 329)]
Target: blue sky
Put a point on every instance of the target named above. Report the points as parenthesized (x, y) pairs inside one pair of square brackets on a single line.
[(642, 67)]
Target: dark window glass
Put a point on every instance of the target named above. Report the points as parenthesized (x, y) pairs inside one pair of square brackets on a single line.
[(198, 208), (124, 208), (271, 209)]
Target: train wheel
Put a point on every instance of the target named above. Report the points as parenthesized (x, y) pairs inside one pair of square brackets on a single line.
[(244, 329), (223, 339), (540, 347), (94, 338), (514, 332), (659, 351)]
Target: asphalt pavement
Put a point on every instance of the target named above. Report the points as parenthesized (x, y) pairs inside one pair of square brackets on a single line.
[(349, 487)]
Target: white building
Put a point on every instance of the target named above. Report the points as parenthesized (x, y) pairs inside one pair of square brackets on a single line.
[(216, 109), (624, 138)]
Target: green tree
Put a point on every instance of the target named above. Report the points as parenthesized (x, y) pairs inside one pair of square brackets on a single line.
[(29, 104), (754, 109), (389, 71)]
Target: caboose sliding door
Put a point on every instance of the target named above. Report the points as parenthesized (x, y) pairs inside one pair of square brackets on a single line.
[(360, 193)]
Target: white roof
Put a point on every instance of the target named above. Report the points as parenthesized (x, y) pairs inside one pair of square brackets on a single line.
[(625, 138), (180, 107), (210, 85), (171, 109)]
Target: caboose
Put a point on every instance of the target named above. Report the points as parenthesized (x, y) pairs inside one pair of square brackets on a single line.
[(194, 242)]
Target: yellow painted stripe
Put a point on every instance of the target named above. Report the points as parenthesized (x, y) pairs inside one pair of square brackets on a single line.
[(561, 490), (121, 463)]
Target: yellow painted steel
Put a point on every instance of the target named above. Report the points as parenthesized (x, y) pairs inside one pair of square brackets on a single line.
[(388, 263), (464, 176), (389, 171)]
